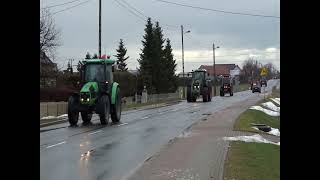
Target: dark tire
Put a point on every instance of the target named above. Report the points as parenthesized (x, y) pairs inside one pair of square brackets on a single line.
[(116, 108), (194, 99), (189, 94), (231, 93), (209, 95), (252, 91), (105, 110), (205, 94), (73, 113), (221, 93), (86, 117)]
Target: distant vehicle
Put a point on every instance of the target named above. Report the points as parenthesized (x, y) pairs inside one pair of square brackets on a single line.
[(263, 82), (200, 85), (256, 87), (226, 86)]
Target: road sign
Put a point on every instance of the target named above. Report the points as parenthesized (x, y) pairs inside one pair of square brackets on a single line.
[(264, 72)]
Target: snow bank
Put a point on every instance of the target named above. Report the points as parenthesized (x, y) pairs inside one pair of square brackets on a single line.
[(271, 106), (267, 111), (274, 131), (254, 138), (55, 117), (276, 100)]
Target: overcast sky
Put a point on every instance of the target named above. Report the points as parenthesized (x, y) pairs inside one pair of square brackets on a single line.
[(238, 36)]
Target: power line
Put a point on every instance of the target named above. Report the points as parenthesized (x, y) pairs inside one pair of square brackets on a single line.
[(132, 12), (47, 7), (70, 7), (220, 11), (142, 14)]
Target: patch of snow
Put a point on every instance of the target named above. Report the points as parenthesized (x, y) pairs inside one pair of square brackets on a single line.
[(63, 116), (274, 131), (254, 138), (271, 106), (276, 100), (48, 117), (267, 111), (55, 117)]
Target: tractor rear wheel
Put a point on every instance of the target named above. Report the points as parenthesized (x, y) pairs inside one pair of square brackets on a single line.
[(221, 93), (105, 109), (73, 114), (86, 117), (189, 94), (209, 94), (205, 94), (231, 93), (116, 108)]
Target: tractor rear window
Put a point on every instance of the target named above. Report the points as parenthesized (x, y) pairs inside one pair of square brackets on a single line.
[(94, 72)]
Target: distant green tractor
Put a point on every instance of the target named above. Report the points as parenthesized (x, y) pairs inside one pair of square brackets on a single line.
[(99, 93), (200, 85)]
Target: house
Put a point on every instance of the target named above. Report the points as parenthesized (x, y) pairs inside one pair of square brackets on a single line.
[(222, 69), (186, 74), (48, 71)]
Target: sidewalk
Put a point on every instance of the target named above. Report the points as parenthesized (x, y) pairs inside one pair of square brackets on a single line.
[(199, 153)]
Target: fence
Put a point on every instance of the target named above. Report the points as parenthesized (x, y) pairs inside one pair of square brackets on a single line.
[(59, 108)]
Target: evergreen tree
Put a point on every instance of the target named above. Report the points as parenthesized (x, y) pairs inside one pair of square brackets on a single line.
[(158, 63), (146, 56), (95, 56), (170, 68), (121, 53)]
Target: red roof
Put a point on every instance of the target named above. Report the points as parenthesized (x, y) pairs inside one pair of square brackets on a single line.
[(221, 69)]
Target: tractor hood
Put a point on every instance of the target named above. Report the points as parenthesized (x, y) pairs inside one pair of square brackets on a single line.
[(90, 87)]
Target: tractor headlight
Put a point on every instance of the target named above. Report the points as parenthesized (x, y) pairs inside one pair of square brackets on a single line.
[(88, 99), (81, 99)]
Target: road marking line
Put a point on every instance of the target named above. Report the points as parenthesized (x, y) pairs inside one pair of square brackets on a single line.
[(94, 132), (56, 144), (122, 124), (145, 117)]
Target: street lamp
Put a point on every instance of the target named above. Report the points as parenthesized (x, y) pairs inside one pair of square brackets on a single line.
[(182, 32), (214, 69)]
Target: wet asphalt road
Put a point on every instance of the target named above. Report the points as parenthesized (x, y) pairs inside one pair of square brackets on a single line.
[(116, 151)]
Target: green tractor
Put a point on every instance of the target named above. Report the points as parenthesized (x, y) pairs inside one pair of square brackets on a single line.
[(200, 84), (99, 93)]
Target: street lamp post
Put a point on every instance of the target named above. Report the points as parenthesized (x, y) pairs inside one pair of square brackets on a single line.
[(182, 32), (214, 69)]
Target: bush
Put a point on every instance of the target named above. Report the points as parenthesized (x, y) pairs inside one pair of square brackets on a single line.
[(56, 94)]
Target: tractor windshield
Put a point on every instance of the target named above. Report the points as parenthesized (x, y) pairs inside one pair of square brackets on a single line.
[(198, 75), (95, 72)]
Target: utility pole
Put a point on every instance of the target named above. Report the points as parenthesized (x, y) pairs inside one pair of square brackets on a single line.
[(99, 28), (182, 62), (214, 69)]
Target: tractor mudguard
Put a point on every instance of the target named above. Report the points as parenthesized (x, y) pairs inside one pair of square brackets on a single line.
[(115, 85)]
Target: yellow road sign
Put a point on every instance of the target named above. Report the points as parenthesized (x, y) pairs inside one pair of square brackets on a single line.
[(264, 72)]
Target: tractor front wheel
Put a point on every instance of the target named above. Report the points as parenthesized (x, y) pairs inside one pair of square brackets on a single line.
[(116, 108), (189, 94), (105, 110), (73, 114), (86, 117)]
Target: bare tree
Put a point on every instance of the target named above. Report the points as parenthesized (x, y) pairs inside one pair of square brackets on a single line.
[(49, 34)]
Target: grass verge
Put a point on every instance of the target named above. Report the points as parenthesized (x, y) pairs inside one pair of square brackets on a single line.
[(256, 161)]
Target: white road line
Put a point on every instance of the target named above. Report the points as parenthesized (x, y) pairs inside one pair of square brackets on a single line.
[(56, 144), (94, 132), (145, 117), (122, 124)]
